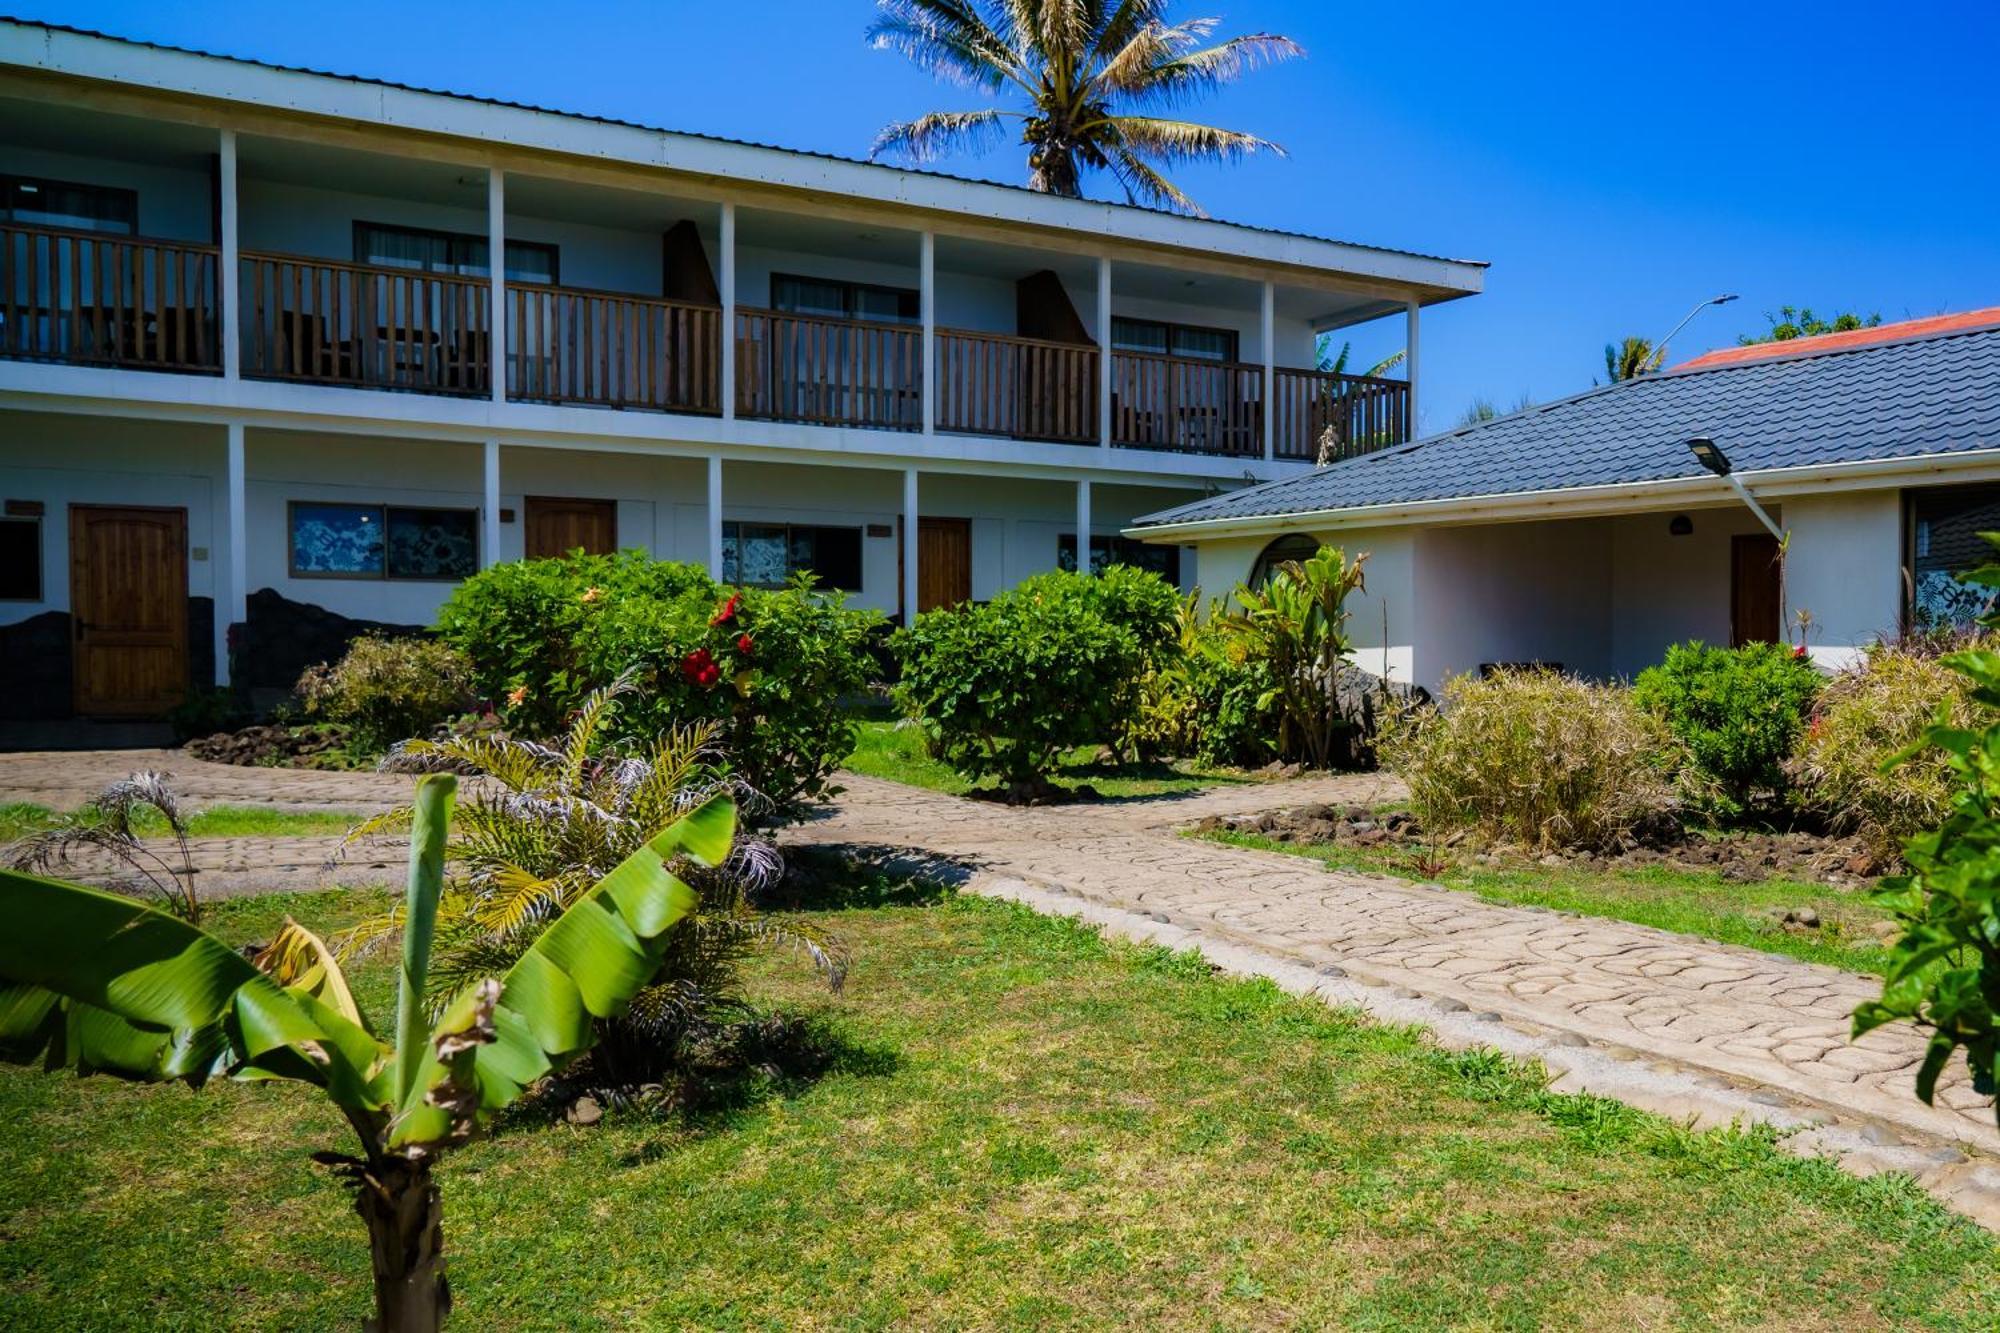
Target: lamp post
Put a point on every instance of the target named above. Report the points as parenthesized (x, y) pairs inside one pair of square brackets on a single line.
[(1659, 355), (1709, 454)]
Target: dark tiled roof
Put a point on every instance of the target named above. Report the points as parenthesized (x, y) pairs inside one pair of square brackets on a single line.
[(692, 134), (1936, 394)]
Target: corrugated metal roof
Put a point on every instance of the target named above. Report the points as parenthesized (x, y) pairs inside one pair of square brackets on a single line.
[(693, 134), (1928, 395)]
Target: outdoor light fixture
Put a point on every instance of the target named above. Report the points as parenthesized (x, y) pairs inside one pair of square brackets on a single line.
[(1659, 354), (1710, 456), (1680, 525)]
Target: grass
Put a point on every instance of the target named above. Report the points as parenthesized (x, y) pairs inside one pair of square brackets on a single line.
[(884, 750), (18, 819), (1687, 902), (1025, 1127)]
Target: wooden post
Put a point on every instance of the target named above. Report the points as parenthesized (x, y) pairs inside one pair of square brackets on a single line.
[(496, 270), (229, 327)]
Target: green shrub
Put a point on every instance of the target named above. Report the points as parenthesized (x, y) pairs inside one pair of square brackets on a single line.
[(1205, 697), (1296, 624), (1533, 757), (1003, 689), (1867, 715), (1738, 712), (771, 667), (387, 689)]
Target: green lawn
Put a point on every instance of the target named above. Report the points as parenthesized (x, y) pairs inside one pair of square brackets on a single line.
[(884, 750), (18, 819), (1684, 901), (1019, 1126)]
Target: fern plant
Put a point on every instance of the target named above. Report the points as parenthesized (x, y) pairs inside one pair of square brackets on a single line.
[(546, 823)]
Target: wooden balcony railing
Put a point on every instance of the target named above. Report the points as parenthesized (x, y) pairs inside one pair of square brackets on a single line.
[(1200, 407), (1025, 388), (604, 348), (382, 328), (93, 299), (834, 372), (1322, 416)]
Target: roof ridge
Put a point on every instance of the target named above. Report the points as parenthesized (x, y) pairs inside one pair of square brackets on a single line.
[(485, 100)]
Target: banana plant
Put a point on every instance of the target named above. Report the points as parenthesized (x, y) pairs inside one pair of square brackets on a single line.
[(99, 983)]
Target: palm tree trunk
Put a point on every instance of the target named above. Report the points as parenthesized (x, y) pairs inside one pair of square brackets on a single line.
[(405, 1216)]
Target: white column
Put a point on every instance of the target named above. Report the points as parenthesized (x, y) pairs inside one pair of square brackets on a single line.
[(1410, 365), (236, 596), (715, 516), (909, 599), (1268, 326), (489, 523), (496, 263), (1104, 352), (927, 298), (1083, 526), (228, 266), (727, 259)]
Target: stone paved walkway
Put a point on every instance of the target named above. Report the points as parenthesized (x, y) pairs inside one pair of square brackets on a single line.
[(63, 780), (1764, 1034)]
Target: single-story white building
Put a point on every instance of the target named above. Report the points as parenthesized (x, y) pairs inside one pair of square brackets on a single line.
[(1593, 532)]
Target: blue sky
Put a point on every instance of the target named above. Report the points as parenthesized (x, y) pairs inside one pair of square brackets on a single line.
[(1615, 164)]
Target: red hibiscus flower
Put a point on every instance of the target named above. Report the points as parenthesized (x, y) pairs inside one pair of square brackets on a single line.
[(728, 611), (1799, 651), (700, 669), (743, 644)]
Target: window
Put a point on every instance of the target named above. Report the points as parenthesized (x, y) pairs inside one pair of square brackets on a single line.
[(365, 541), (1944, 542), (449, 252), (844, 300), (1297, 546), (765, 555), (1163, 339), (20, 560), (1107, 551), (46, 203)]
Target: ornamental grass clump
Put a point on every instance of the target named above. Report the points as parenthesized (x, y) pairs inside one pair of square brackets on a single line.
[(1533, 757), (1869, 714), (387, 689)]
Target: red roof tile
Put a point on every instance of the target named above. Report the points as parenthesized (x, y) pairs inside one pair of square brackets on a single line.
[(1833, 342)]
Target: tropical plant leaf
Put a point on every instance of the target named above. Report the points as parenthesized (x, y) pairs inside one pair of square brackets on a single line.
[(300, 960), (490, 1043)]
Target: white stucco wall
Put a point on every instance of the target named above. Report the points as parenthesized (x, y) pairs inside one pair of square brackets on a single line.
[(1668, 589), (1513, 592), (174, 202), (1844, 567)]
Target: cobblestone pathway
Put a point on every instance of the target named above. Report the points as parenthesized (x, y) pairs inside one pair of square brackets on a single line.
[(1696, 1029), (65, 779)]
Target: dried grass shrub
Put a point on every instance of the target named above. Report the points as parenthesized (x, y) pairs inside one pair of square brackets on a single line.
[(1534, 757)]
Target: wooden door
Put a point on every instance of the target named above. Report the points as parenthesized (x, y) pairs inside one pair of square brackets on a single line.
[(1754, 591), (944, 562), (557, 526), (128, 610)]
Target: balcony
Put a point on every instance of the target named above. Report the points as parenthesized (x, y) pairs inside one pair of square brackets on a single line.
[(93, 299)]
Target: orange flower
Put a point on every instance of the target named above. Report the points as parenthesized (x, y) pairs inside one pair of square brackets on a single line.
[(592, 594), (517, 696)]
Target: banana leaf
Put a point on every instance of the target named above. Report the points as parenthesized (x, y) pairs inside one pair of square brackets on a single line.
[(495, 1039)]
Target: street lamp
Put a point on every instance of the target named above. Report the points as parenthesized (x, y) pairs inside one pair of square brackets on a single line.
[(1660, 347), (1709, 454)]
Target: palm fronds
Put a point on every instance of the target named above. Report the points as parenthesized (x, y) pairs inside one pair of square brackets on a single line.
[(106, 825)]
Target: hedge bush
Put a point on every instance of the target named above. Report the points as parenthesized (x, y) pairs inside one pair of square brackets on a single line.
[(1533, 757), (773, 667), (385, 689), (1738, 712), (1206, 697), (1003, 689), (1868, 714)]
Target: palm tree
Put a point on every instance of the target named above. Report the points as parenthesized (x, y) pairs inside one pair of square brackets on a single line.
[(103, 984), (1631, 359), (1087, 72)]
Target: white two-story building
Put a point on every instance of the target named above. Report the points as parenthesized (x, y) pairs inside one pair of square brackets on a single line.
[(260, 377)]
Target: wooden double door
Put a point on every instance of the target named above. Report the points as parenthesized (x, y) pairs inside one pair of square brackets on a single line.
[(128, 601), (557, 525)]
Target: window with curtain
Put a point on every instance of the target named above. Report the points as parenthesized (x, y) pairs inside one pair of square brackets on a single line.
[(1944, 528), (462, 253), (765, 555), (834, 299), (35, 202), (1163, 339)]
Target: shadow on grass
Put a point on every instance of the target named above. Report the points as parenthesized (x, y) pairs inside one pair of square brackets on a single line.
[(858, 875)]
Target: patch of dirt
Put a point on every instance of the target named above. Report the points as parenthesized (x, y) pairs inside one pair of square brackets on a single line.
[(1039, 791), (269, 745), (1743, 856)]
